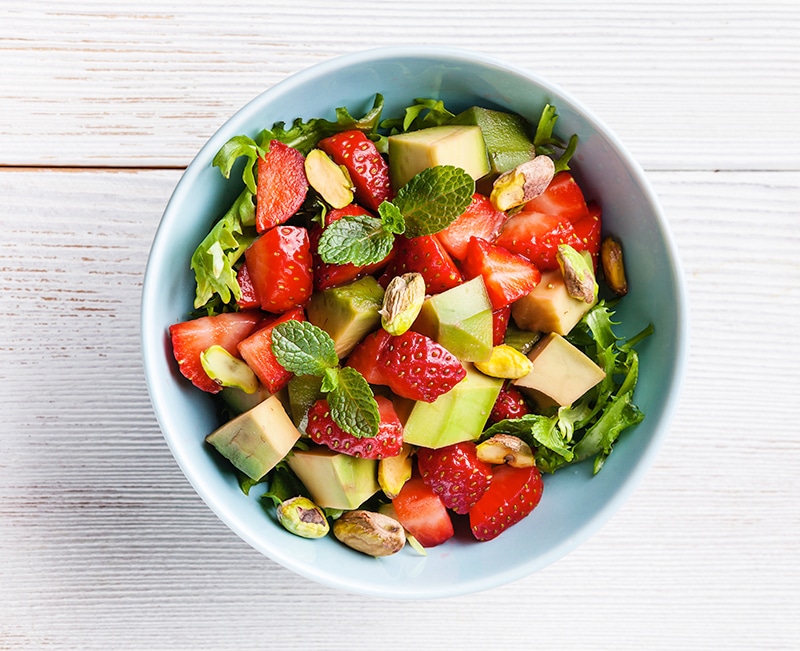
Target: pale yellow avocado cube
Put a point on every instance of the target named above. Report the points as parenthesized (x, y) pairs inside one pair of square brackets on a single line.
[(560, 372), (458, 145), (548, 307), (335, 480)]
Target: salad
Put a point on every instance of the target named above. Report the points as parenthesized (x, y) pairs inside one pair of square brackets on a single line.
[(403, 323)]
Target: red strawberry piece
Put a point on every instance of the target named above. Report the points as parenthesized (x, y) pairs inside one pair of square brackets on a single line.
[(588, 231), (422, 513), (328, 275), (248, 298), (256, 350), (563, 198), (281, 186), (507, 276), (536, 236), (480, 219), (279, 264), (510, 403), (190, 338), (367, 169), (366, 354), (512, 495), (455, 474), (500, 320), (426, 256), (387, 443)]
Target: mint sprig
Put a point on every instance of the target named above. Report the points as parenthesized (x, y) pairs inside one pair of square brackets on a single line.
[(305, 349), (357, 239)]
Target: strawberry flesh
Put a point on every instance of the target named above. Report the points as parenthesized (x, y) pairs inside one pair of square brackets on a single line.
[(455, 474), (426, 256), (281, 187), (512, 495)]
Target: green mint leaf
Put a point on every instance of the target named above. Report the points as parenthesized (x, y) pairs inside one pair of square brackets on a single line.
[(358, 239), (353, 406), (214, 259), (330, 380), (303, 348), (391, 218), (434, 198), (231, 151)]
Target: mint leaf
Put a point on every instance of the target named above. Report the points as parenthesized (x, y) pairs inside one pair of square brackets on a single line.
[(358, 239), (214, 258), (434, 198), (352, 404), (391, 218), (303, 348), (231, 151), (330, 380)]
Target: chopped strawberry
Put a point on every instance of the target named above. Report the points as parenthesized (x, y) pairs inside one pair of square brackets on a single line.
[(563, 198), (332, 275), (412, 365), (367, 169), (279, 263), (536, 236), (480, 219), (455, 474), (510, 403), (588, 232), (512, 495), (256, 350), (500, 320), (248, 298), (426, 256), (190, 338), (507, 276), (387, 443), (422, 513), (281, 186)]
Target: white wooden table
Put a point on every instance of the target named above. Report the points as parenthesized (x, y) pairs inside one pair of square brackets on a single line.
[(104, 545)]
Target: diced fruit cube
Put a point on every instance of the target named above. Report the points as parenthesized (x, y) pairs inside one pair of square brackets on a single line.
[(248, 298), (422, 513), (512, 496), (480, 219), (536, 236), (281, 186), (560, 372), (455, 474), (394, 472), (500, 319), (510, 403), (426, 256), (549, 307), (563, 198), (588, 231)]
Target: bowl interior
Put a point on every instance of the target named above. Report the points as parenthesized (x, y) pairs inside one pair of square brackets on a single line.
[(575, 503)]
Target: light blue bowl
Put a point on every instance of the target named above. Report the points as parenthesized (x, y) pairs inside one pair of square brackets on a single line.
[(575, 503)]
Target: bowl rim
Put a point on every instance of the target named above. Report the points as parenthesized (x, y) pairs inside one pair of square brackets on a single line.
[(628, 482)]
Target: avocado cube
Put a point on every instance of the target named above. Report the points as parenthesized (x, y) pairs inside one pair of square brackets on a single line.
[(561, 372), (458, 145), (549, 307), (335, 480), (507, 136), (460, 319), (456, 416), (348, 312), (255, 441)]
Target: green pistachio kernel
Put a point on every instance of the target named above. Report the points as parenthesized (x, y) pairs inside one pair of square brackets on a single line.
[(300, 516), (578, 274), (402, 302)]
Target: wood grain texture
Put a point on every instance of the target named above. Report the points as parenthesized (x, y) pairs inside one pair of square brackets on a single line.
[(686, 85), (103, 544)]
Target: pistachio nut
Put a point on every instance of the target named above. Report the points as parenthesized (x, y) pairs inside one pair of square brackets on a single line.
[(402, 302), (227, 370), (578, 274), (613, 266), (508, 449), (300, 516), (506, 362), (523, 183), (374, 534), (329, 179)]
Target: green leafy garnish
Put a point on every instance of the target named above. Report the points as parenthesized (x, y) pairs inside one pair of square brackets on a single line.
[(423, 113), (358, 239), (548, 144), (214, 259), (305, 349), (231, 151)]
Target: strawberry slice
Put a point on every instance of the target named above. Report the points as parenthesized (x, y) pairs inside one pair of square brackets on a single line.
[(563, 198), (281, 186), (510, 403), (248, 298), (512, 495), (455, 474), (279, 264), (367, 169), (190, 338), (500, 320), (422, 513), (480, 219), (536, 236), (412, 365), (256, 350), (387, 443), (426, 256), (588, 231), (507, 276)]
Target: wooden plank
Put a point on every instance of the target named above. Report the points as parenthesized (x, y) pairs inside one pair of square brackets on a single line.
[(103, 544), (686, 85)]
